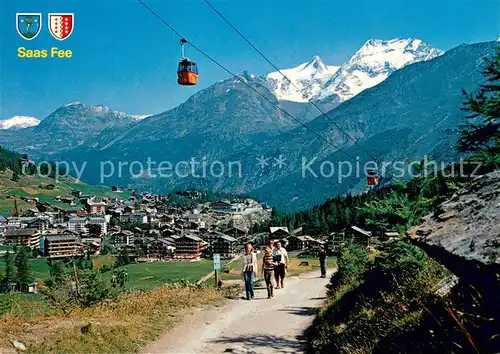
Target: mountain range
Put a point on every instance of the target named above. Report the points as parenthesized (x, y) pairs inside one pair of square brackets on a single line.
[(386, 97)]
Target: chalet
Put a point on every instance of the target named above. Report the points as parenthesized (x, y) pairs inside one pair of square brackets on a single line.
[(337, 242), (68, 200), (116, 189), (22, 237), (31, 212), (61, 245), (360, 236), (122, 239), (129, 209), (314, 245), (188, 247), (162, 248), (166, 220), (3, 223), (92, 244), (194, 216), (261, 238), (236, 232), (167, 231), (225, 246), (140, 218), (211, 236), (39, 223), (278, 232), (96, 205), (297, 243), (49, 186), (76, 193)]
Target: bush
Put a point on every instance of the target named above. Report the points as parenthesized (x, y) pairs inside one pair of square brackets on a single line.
[(65, 291)]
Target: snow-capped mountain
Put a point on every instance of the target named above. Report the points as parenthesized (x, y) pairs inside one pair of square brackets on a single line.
[(307, 77), (369, 66), (19, 122)]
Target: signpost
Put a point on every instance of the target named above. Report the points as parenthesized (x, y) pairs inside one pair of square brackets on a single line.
[(216, 268)]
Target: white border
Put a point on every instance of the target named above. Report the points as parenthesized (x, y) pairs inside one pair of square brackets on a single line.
[(28, 14), (61, 14)]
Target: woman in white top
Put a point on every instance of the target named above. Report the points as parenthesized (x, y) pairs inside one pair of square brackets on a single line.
[(249, 268), (280, 257)]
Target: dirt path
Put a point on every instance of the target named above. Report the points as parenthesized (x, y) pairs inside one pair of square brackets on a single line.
[(256, 326)]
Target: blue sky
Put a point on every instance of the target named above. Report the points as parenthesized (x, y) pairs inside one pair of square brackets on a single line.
[(126, 58)]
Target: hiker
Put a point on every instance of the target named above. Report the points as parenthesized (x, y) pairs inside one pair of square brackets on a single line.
[(280, 257), (249, 268), (268, 271), (322, 260)]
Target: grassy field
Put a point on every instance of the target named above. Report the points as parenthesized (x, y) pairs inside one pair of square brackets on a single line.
[(29, 186), (146, 276), (39, 269)]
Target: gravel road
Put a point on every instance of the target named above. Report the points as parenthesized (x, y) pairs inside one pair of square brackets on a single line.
[(257, 326)]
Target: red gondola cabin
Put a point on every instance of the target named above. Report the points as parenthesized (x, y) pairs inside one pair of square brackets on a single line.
[(372, 177), (187, 73)]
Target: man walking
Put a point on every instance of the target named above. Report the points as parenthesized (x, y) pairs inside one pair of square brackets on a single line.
[(280, 258), (322, 260)]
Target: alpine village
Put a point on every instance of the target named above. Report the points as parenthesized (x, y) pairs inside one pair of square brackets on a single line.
[(413, 263)]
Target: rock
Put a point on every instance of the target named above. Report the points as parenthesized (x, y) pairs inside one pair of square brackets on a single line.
[(239, 350), (18, 345), (467, 225)]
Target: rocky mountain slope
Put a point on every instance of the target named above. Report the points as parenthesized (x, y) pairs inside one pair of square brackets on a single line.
[(68, 127)]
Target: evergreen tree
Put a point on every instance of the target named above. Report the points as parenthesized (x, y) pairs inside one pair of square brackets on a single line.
[(481, 134), (10, 273), (15, 176), (122, 259), (22, 267)]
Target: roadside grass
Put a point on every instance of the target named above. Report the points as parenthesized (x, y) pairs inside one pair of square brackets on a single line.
[(120, 327), (372, 300)]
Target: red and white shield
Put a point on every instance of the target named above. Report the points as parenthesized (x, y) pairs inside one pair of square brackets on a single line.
[(61, 25)]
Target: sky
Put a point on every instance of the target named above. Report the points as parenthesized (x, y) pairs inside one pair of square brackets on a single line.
[(125, 58)]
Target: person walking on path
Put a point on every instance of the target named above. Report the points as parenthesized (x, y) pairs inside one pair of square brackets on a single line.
[(249, 268), (280, 257), (268, 271), (322, 260)]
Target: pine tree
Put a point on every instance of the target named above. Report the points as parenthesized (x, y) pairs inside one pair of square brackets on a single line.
[(10, 273), (22, 267), (15, 176), (481, 134)]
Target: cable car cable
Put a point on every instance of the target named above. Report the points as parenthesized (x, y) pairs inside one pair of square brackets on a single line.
[(422, 137), (338, 149), (276, 68)]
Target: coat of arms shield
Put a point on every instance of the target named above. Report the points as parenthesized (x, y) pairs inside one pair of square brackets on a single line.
[(28, 25), (61, 25)]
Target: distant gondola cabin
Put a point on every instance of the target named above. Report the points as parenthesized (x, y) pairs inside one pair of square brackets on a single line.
[(372, 178)]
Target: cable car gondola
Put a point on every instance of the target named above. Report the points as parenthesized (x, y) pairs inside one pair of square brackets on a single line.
[(187, 72), (372, 177)]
